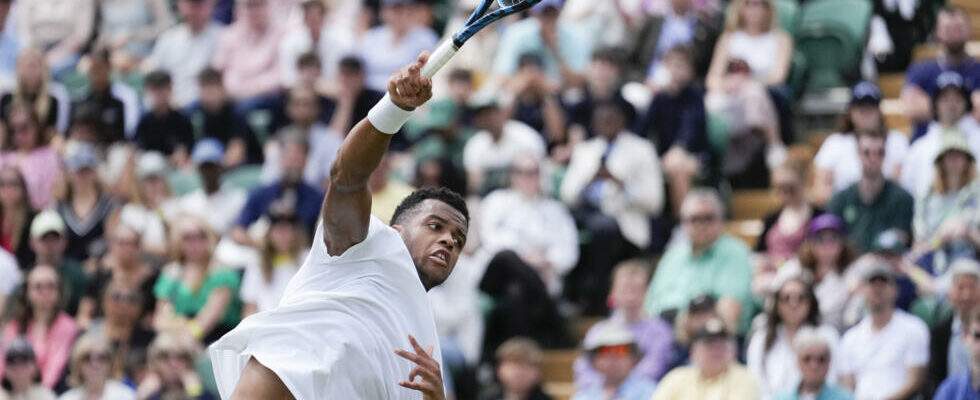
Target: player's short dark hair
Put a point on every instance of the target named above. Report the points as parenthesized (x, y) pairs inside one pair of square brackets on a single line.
[(209, 76), (411, 203), (157, 80), (309, 59)]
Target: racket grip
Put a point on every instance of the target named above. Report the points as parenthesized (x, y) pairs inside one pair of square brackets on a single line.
[(439, 58)]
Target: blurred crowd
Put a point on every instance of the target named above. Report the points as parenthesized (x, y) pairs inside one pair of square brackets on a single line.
[(163, 164)]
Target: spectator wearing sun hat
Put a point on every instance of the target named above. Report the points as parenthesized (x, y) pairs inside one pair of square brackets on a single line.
[(613, 352)]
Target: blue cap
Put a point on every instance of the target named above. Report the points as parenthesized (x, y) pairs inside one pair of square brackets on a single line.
[(82, 157), (209, 150), (866, 92)]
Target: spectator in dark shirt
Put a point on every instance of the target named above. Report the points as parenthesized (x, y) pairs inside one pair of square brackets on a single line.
[(354, 99), (536, 100), (952, 33), (163, 128), (109, 109), (962, 386), (682, 24), (675, 122), (603, 82), (309, 69), (213, 116), (289, 193)]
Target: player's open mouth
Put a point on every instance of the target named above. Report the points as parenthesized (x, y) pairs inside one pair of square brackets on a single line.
[(440, 257)]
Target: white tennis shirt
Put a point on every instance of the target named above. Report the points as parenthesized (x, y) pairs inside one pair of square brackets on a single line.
[(334, 333)]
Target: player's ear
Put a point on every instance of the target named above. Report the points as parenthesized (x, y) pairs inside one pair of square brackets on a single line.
[(398, 228)]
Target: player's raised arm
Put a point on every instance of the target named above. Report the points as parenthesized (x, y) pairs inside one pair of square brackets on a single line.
[(347, 206)]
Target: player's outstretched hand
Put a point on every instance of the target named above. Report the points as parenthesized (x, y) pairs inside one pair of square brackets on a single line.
[(426, 368), (408, 88)]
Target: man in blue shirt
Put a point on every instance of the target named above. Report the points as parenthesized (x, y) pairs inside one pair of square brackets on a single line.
[(952, 32), (964, 386)]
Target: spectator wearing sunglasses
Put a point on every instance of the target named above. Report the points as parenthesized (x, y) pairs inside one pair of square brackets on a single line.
[(21, 378), (950, 326), (122, 326), (813, 359), (614, 353), (961, 386), (874, 204), (171, 371), (91, 372)]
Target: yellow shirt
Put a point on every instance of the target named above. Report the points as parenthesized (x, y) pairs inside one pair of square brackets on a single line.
[(385, 201), (685, 383)]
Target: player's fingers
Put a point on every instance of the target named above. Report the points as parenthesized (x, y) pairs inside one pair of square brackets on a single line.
[(415, 344), (417, 371), (411, 385), (392, 87), (403, 89), (430, 349), (423, 58), (410, 356)]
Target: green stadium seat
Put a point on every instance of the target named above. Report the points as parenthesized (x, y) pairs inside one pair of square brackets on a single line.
[(245, 177), (788, 12), (831, 36), (183, 182)]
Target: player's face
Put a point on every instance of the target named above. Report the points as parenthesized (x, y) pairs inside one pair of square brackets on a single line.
[(435, 235)]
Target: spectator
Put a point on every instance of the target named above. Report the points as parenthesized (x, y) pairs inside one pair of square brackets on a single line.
[(289, 192), (714, 373), (653, 335), (604, 82), (386, 192), (960, 385), (397, 41), (213, 116), (33, 90), (785, 229), (814, 355), (921, 80), (16, 215), (875, 203), (172, 373), (675, 122), (143, 213), (303, 109), (536, 102), (614, 353), (518, 371), (523, 220), (892, 247), (753, 35), (951, 104), (122, 325), (280, 256), (185, 50), (681, 24), (163, 129), (248, 54), (491, 150), (771, 357), (48, 242), (949, 346), (103, 105), (354, 97), (440, 172), (121, 263), (210, 310), (615, 189), (21, 378), (91, 372), (328, 41), (26, 147), (217, 204), (129, 28), (607, 23), (86, 207), (837, 163), (709, 262), (10, 43), (942, 217), (39, 318), (687, 323), (826, 255), (884, 355), (309, 71), (562, 48), (445, 133), (60, 27)]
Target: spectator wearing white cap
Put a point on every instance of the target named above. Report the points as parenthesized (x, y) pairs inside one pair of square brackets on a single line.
[(563, 50), (217, 204), (48, 242), (813, 354), (86, 206), (713, 374), (885, 355), (397, 41), (613, 352), (949, 354)]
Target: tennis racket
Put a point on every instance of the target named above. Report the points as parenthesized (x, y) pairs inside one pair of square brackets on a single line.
[(480, 18)]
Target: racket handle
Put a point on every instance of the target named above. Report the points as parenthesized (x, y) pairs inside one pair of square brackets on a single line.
[(439, 58)]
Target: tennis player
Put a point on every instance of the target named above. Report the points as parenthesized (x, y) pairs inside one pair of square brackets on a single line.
[(360, 297)]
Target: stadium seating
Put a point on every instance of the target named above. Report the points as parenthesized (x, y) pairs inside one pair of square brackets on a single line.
[(831, 35)]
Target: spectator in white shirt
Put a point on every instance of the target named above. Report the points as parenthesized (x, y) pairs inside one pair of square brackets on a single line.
[(539, 229), (398, 41), (218, 205), (489, 152), (186, 49), (281, 252), (951, 104), (837, 165), (303, 109), (885, 355), (330, 43)]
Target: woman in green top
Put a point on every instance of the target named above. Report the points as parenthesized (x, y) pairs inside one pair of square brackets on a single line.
[(192, 292)]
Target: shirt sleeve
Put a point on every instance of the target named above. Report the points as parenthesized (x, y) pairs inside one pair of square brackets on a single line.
[(163, 288), (825, 156), (251, 211), (846, 364), (917, 353), (917, 76)]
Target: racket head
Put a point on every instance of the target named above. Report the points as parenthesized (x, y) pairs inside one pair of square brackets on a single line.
[(488, 12)]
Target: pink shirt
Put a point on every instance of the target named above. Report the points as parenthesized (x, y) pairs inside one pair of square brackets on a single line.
[(52, 350), (249, 60), (41, 169)]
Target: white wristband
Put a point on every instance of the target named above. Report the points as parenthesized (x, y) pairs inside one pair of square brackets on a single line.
[(388, 117)]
